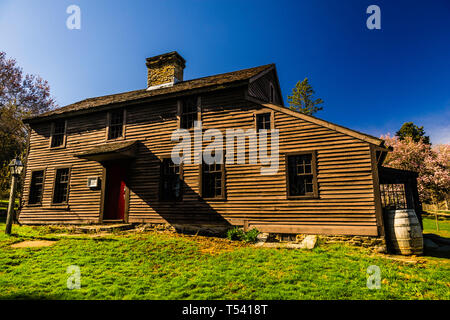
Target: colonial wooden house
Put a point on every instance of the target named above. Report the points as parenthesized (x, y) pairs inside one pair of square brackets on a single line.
[(109, 159)]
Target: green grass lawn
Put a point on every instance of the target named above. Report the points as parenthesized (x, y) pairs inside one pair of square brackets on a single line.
[(4, 203), (429, 226), (156, 265)]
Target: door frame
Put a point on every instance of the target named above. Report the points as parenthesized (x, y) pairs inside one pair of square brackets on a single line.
[(103, 194)]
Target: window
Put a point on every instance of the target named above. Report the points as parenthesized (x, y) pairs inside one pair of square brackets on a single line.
[(115, 126), (58, 133), (263, 121), (271, 93), (213, 181), (301, 175), (188, 113), (171, 187), (36, 187), (393, 196), (61, 188)]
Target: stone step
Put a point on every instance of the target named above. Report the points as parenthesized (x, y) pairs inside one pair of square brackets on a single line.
[(103, 228)]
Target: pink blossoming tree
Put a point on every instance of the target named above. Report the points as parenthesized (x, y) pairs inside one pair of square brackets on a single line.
[(432, 165)]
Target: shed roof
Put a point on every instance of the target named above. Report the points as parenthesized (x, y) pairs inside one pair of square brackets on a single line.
[(111, 151)]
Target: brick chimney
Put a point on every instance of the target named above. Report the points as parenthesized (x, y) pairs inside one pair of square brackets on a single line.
[(164, 70)]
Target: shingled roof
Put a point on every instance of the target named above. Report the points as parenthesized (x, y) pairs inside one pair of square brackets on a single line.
[(93, 104), (111, 151), (353, 133)]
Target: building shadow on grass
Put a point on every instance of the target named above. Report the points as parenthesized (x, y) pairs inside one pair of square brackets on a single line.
[(436, 246), (24, 296)]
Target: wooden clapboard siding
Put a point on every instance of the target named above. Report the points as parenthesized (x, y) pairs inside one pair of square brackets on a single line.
[(346, 189), (83, 207), (346, 202)]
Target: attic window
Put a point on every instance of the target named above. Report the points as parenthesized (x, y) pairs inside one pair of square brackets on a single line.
[(263, 121), (271, 93)]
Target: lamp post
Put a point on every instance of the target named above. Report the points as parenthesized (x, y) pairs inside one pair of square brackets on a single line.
[(16, 168)]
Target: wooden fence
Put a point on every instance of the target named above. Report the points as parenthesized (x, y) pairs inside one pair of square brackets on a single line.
[(444, 205), (4, 206)]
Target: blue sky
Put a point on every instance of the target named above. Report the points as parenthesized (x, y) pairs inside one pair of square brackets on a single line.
[(370, 80)]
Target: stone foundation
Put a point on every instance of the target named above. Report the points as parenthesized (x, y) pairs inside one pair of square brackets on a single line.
[(361, 241), (376, 243)]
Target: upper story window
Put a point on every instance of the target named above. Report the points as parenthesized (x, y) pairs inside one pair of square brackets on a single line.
[(61, 186), (36, 187), (188, 112), (170, 178), (58, 134), (213, 181), (301, 175), (116, 121), (263, 121)]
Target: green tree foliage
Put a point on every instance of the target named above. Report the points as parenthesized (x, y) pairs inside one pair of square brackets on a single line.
[(21, 95), (302, 99), (409, 129)]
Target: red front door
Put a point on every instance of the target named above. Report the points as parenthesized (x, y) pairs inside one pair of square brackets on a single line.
[(115, 192)]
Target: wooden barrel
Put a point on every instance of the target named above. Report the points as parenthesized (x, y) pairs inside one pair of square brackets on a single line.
[(403, 232)]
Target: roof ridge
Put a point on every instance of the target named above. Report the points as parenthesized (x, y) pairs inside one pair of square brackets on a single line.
[(185, 81), (67, 108), (224, 73)]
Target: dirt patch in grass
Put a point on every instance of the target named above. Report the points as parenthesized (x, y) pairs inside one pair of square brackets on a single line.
[(212, 245), (85, 235), (215, 246), (33, 244)]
